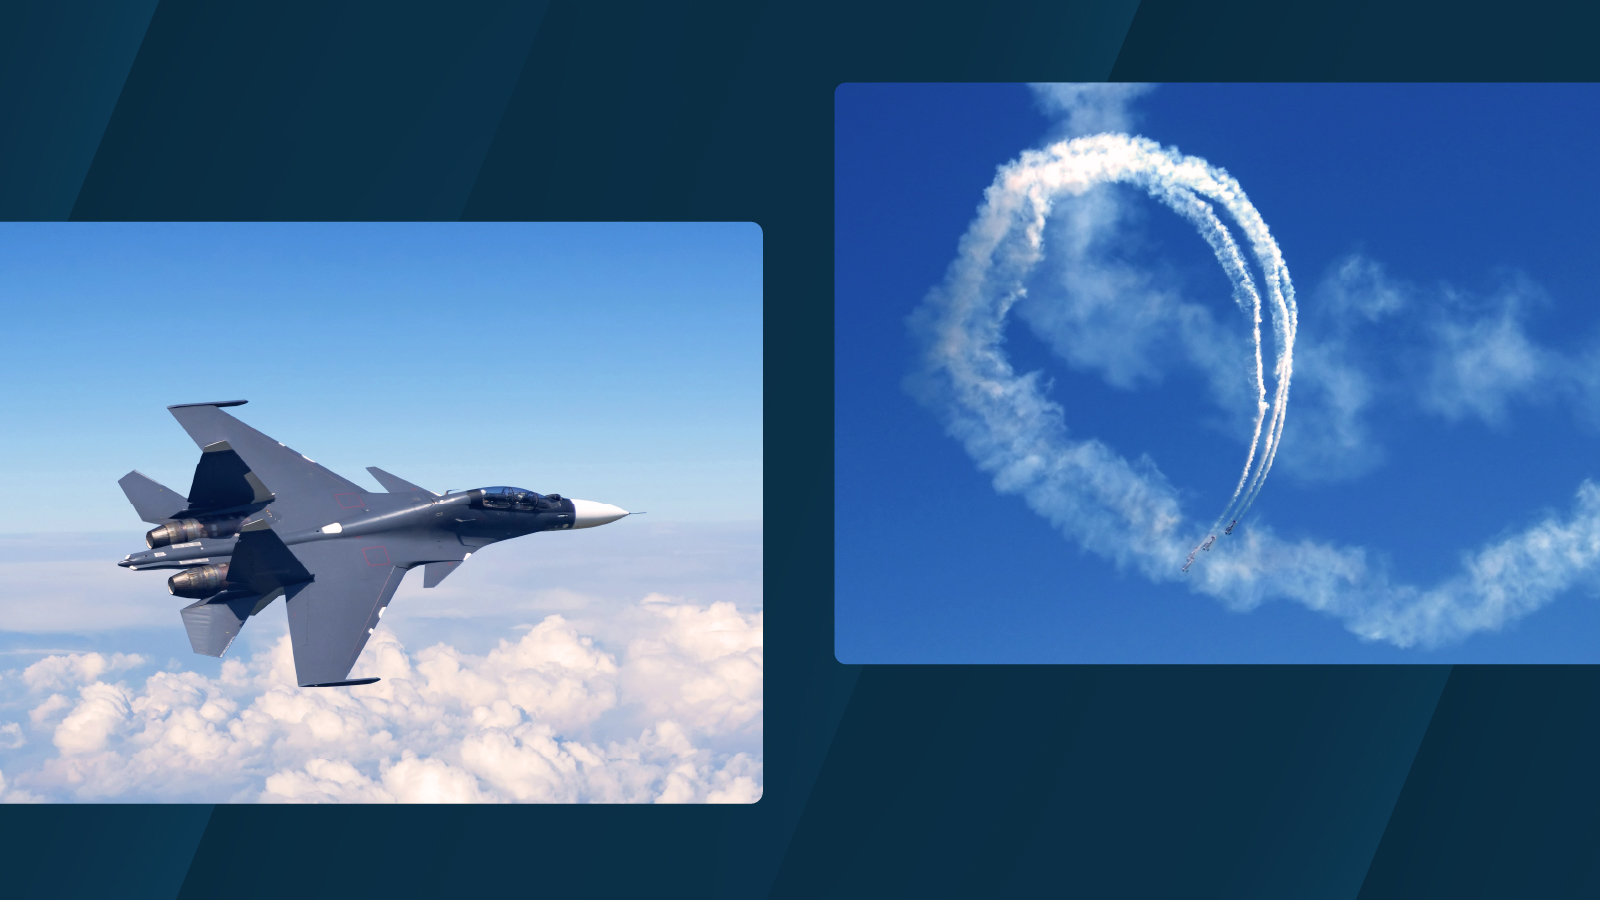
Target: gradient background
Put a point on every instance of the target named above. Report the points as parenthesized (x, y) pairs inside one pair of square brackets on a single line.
[(923, 781)]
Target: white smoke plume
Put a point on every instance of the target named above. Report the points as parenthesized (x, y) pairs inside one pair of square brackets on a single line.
[(1091, 108), (962, 320), (1129, 513)]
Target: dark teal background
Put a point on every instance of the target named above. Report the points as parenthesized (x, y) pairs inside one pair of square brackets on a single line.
[(890, 781)]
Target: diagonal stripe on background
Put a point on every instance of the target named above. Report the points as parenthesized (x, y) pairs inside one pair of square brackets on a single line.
[(1503, 799), (269, 110), (1234, 781), (100, 851), (62, 67)]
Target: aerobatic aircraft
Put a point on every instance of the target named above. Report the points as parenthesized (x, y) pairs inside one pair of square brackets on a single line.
[(262, 521)]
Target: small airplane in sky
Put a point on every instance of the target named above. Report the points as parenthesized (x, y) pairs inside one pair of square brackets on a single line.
[(262, 521)]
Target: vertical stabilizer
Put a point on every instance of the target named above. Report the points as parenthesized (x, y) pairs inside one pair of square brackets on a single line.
[(155, 503), (396, 485)]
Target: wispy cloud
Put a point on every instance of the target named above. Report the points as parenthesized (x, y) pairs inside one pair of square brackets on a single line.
[(1479, 362), (1090, 108), (1337, 382), (1484, 363)]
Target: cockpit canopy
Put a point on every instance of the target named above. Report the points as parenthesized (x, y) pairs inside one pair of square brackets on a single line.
[(503, 497)]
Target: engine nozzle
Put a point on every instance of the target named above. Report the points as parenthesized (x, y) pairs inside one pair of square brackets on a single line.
[(199, 583), (191, 530)]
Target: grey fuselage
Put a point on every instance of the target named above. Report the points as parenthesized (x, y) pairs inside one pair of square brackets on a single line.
[(428, 527)]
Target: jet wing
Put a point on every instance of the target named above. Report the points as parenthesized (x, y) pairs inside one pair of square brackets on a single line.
[(331, 617), (308, 495)]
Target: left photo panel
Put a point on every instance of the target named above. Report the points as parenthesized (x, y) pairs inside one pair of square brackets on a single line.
[(231, 444)]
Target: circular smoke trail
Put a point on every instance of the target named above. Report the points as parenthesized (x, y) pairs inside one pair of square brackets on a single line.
[(1005, 242)]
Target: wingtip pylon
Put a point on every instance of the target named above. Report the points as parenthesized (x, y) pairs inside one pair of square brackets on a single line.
[(213, 403)]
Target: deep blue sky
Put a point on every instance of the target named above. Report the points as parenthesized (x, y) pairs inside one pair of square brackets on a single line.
[(615, 362), (1454, 190)]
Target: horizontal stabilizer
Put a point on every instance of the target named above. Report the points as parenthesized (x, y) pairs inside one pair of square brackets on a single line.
[(213, 624), (435, 572), (396, 485), (153, 502), (352, 683)]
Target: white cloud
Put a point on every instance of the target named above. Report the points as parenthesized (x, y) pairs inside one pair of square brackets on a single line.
[(52, 705), (553, 716), (9, 794), (1358, 288), (1089, 108), (61, 672), (701, 666), (1330, 439), (1481, 365), (1335, 385), (101, 711)]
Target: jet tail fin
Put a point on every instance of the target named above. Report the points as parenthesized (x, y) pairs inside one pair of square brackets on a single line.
[(153, 502), (396, 485)]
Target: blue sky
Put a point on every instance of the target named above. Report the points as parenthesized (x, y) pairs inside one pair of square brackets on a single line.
[(1445, 409), (614, 362), (578, 359)]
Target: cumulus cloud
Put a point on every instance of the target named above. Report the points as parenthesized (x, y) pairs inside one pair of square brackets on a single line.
[(60, 672), (554, 715)]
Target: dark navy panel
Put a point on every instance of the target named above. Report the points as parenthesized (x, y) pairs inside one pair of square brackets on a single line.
[(1504, 797)]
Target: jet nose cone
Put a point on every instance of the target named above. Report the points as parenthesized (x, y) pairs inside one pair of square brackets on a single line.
[(587, 513)]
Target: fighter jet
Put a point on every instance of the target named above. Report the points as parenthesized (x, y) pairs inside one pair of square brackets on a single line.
[(262, 521)]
